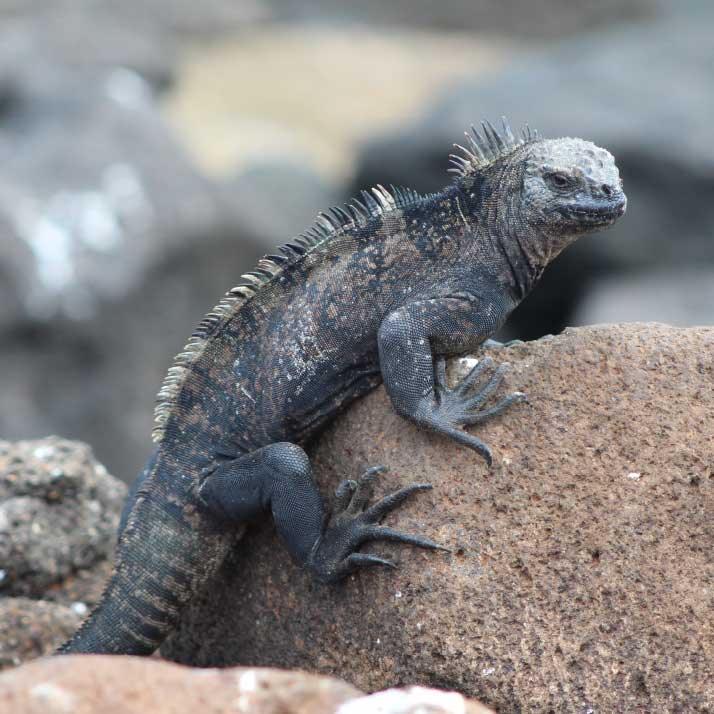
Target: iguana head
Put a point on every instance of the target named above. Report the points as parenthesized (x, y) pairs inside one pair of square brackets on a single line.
[(570, 187), (557, 189)]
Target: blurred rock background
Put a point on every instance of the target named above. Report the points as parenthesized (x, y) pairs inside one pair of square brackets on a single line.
[(151, 151)]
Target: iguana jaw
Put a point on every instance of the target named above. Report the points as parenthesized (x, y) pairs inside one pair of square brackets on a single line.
[(590, 213)]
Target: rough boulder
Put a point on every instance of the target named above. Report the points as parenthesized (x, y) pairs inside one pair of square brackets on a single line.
[(580, 576)]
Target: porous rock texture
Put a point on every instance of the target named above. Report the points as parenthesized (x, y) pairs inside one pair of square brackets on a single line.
[(82, 684), (59, 512), (581, 574), (32, 628)]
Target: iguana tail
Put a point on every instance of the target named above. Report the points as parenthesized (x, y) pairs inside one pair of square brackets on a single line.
[(166, 553)]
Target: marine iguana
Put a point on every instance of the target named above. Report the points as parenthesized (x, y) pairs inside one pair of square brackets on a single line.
[(381, 289)]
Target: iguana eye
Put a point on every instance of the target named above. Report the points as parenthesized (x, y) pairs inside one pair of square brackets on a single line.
[(559, 180)]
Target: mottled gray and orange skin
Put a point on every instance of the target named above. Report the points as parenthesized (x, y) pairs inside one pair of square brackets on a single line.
[(380, 301)]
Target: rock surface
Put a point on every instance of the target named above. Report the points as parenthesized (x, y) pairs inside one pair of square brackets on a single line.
[(131, 685), (59, 512), (580, 575), (100, 211), (32, 628)]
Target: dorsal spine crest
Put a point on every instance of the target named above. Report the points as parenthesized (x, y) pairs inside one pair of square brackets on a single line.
[(484, 148)]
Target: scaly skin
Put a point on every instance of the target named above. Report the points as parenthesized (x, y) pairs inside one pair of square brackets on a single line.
[(376, 291)]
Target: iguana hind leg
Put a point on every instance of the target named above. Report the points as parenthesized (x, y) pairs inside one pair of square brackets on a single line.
[(278, 478)]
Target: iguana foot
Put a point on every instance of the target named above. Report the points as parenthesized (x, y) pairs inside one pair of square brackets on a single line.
[(333, 556), (459, 406), (278, 478)]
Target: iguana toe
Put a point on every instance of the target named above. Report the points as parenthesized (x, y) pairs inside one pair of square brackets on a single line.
[(354, 524)]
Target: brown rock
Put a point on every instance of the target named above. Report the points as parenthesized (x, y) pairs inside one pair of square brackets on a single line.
[(581, 574), (84, 684), (59, 513)]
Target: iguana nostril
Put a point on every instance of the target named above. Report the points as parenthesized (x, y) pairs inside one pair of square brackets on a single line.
[(606, 190)]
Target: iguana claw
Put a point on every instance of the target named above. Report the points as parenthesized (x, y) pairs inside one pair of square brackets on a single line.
[(354, 524), (458, 406)]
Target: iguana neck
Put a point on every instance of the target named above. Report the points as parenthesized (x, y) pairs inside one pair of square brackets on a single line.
[(525, 252), (517, 251)]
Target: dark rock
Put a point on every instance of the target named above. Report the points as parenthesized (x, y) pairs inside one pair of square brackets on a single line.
[(16, 264), (580, 574), (59, 512), (676, 297), (622, 90), (279, 200), (90, 37), (96, 186), (531, 20), (8, 88)]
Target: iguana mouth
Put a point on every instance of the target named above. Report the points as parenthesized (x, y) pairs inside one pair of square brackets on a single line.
[(594, 214)]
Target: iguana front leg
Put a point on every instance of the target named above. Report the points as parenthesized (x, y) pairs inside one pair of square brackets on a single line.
[(409, 338)]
